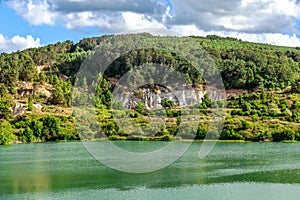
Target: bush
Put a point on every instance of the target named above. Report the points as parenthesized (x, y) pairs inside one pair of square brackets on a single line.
[(26, 135), (286, 134), (255, 96), (297, 136), (51, 128), (237, 112), (37, 128), (246, 125), (134, 114), (230, 135), (167, 104), (282, 106), (201, 133), (202, 106), (266, 136), (167, 138), (295, 105), (6, 133)]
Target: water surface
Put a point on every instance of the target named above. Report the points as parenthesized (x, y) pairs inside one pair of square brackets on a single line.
[(230, 171)]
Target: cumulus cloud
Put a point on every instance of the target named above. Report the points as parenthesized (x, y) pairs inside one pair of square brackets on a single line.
[(35, 12), (269, 21), (76, 14), (251, 16), (17, 42), (134, 21), (279, 39)]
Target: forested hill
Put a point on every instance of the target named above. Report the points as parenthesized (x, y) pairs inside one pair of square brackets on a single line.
[(36, 88), (242, 64), (248, 65)]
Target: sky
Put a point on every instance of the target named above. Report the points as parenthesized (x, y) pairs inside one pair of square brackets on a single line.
[(33, 23)]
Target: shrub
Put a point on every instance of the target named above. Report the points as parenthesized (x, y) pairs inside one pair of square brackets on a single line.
[(230, 135), (167, 138), (255, 96), (202, 105), (167, 104), (27, 135), (237, 112), (282, 106), (297, 136), (286, 134), (266, 136), (201, 133), (246, 125), (37, 128), (51, 128), (6, 133)]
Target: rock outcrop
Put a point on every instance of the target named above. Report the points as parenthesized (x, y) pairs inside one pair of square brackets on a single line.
[(152, 97)]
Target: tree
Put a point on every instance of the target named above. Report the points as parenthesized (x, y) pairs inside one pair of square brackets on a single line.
[(167, 104), (6, 133), (286, 134), (51, 128), (296, 87), (37, 128), (206, 102), (58, 96), (30, 103), (6, 101), (140, 107), (27, 134)]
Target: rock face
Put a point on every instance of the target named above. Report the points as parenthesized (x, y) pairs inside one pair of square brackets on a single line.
[(152, 97), (25, 89), (19, 109)]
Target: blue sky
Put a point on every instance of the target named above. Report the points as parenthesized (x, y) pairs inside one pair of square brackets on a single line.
[(32, 23), (13, 24)]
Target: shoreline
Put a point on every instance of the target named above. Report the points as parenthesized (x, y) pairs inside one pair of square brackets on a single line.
[(149, 140)]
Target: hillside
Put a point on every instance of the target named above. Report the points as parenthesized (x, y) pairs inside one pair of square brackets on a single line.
[(263, 82)]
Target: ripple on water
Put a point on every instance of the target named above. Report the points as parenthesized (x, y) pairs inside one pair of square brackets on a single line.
[(226, 191)]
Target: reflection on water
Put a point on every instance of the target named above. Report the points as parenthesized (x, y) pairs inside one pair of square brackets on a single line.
[(230, 171), (241, 191)]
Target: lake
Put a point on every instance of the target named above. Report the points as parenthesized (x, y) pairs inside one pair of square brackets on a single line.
[(230, 171)]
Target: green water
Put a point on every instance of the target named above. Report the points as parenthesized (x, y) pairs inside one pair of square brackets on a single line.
[(230, 171)]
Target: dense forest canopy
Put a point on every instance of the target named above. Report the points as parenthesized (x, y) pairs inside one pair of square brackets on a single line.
[(242, 64)]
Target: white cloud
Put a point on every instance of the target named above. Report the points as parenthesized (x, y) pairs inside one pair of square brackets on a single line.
[(35, 12), (110, 22), (17, 42), (119, 22), (134, 21), (283, 7), (268, 38), (251, 16), (76, 14), (252, 20)]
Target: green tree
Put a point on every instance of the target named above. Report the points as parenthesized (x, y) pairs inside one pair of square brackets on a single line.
[(6, 102), (58, 96), (286, 134), (6, 133), (167, 103), (140, 107), (51, 128), (30, 103), (27, 135), (37, 128)]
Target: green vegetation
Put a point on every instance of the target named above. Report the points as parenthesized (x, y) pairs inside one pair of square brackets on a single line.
[(37, 85), (249, 65)]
